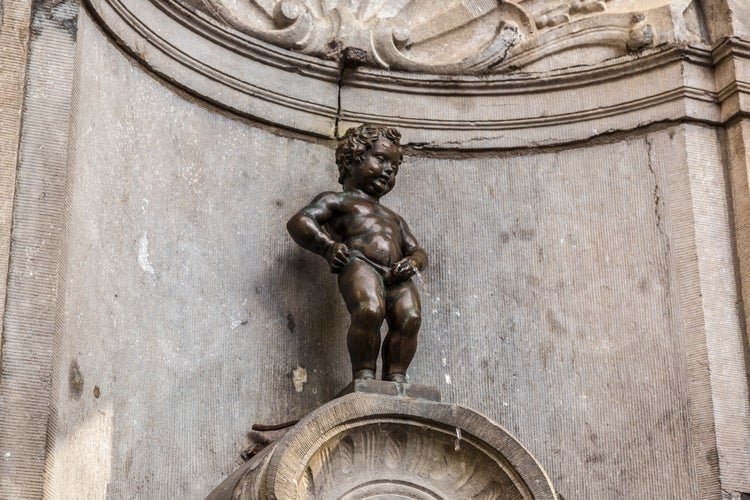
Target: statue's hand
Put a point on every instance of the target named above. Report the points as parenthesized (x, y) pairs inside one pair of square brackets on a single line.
[(404, 269), (337, 257)]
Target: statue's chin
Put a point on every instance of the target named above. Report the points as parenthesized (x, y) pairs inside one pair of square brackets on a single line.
[(378, 191)]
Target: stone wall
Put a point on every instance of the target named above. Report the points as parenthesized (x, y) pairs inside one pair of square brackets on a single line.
[(585, 290)]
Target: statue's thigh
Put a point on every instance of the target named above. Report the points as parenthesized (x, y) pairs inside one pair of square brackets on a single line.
[(361, 287), (403, 303)]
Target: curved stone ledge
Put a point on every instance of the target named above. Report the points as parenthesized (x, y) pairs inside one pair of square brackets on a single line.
[(541, 109), (263, 82), (361, 444)]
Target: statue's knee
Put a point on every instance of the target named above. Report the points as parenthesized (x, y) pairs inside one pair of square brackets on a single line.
[(369, 312), (410, 322)]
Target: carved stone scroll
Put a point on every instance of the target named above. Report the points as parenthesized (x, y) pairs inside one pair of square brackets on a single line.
[(453, 36), (447, 37)]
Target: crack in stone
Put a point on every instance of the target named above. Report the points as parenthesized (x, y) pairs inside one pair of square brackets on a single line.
[(656, 193), (657, 196), (351, 59)]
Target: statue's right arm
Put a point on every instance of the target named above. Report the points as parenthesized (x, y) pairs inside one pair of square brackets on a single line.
[(306, 226)]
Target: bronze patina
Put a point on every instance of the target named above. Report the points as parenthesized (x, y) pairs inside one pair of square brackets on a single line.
[(371, 249)]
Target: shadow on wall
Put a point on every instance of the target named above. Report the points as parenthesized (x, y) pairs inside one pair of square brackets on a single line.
[(310, 325)]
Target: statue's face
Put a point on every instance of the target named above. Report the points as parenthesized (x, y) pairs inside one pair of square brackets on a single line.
[(376, 173)]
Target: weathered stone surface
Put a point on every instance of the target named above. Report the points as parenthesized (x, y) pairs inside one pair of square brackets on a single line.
[(14, 39), (178, 288), (30, 307), (731, 394), (727, 18), (705, 286)]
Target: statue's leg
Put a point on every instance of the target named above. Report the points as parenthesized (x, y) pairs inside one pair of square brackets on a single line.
[(404, 315), (364, 294)]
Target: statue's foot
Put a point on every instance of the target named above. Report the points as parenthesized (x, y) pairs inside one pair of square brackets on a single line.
[(396, 377), (364, 375)]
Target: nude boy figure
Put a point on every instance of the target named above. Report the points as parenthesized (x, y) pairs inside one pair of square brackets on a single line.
[(371, 249)]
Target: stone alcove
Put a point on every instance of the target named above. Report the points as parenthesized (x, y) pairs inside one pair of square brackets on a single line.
[(155, 150)]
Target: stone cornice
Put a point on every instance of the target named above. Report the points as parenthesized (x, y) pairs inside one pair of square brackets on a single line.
[(296, 91), (549, 108), (732, 60), (729, 47)]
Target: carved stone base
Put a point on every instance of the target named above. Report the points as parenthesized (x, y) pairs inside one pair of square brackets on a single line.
[(367, 445)]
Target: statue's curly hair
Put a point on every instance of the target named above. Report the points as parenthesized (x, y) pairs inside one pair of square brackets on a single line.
[(357, 140)]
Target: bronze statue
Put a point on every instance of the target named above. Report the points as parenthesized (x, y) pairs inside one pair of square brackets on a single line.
[(372, 250)]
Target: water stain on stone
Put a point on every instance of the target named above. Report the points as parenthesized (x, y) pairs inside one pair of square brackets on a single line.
[(524, 234), (533, 281), (55, 14), (545, 351), (75, 380), (712, 457), (70, 25), (555, 325), (518, 234), (290, 324)]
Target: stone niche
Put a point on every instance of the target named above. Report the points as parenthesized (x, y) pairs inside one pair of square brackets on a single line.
[(577, 171)]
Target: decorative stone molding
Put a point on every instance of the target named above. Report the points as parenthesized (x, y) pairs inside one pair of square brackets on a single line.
[(733, 77), (606, 85), (438, 37), (362, 444), (447, 37)]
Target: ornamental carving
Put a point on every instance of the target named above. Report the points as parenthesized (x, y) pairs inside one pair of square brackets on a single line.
[(450, 36), (414, 35)]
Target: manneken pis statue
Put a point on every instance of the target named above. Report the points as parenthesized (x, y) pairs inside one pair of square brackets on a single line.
[(371, 249)]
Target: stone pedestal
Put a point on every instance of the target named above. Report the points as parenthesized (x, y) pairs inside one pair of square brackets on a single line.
[(413, 391), (366, 444)]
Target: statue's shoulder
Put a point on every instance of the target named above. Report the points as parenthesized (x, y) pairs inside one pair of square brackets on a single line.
[(327, 198)]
